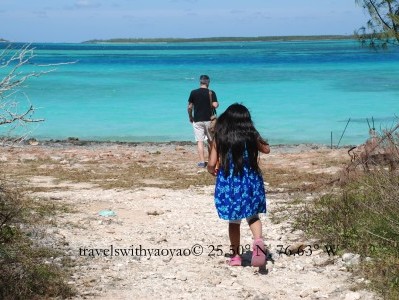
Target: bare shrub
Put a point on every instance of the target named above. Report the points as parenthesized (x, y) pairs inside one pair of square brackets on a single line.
[(379, 150), (363, 215), (16, 111)]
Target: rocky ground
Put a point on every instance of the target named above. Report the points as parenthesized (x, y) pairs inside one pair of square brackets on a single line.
[(140, 222)]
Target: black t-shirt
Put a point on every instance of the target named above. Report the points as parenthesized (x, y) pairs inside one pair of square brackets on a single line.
[(202, 104)]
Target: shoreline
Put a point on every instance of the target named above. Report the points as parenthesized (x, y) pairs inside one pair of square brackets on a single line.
[(74, 141), (93, 144)]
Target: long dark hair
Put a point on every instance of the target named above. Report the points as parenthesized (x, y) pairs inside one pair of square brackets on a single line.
[(234, 133)]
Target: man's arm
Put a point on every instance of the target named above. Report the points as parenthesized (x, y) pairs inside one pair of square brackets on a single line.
[(215, 102), (190, 112)]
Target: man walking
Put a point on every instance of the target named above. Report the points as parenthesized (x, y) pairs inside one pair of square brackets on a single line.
[(203, 101)]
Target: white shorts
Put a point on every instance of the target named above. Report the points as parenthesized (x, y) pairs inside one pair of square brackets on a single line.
[(201, 131)]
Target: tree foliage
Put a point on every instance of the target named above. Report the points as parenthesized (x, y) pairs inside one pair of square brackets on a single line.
[(382, 29)]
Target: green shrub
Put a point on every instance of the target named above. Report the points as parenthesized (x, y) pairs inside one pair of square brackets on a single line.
[(363, 217), (26, 270)]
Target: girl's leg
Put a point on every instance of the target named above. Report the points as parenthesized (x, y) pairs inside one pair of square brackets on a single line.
[(234, 235), (256, 227), (258, 248)]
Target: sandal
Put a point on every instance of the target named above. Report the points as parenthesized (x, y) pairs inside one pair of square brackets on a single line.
[(258, 253), (234, 261)]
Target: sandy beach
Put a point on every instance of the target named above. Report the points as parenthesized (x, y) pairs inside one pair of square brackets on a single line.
[(162, 237)]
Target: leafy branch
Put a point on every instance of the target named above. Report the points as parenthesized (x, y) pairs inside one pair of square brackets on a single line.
[(383, 26)]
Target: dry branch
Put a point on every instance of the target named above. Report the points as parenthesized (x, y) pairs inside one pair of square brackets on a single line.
[(13, 82), (376, 149)]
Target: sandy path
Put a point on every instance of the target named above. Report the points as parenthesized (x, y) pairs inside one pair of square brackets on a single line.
[(184, 221)]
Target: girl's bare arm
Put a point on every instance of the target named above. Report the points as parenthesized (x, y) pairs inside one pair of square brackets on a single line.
[(212, 161), (263, 146)]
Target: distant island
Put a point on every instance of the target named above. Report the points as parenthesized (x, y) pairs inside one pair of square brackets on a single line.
[(3, 40), (223, 39)]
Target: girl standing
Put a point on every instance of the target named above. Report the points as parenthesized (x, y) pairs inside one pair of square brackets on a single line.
[(239, 189)]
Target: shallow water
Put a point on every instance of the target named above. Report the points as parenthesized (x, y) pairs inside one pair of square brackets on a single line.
[(297, 92)]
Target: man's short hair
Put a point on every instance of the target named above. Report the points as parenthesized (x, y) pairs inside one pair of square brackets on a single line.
[(204, 79)]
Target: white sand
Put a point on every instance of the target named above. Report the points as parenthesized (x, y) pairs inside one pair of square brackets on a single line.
[(167, 220)]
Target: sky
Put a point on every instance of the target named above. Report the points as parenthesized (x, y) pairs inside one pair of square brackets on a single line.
[(82, 20)]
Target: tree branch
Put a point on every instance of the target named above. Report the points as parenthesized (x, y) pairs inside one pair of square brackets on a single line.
[(19, 117), (13, 62), (377, 12)]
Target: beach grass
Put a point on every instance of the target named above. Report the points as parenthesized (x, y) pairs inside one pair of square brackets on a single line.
[(292, 180), (27, 270), (134, 174), (129, 175), (362, 217)]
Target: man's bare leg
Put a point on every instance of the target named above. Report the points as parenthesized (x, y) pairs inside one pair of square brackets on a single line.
[(200, 147)]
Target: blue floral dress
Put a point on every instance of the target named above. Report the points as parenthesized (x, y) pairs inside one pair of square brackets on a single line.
[(239, 196)]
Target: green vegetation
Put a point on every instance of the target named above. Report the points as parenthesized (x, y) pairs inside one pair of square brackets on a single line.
[(363, 217), (382, 29), (224, 39), (27, 269)]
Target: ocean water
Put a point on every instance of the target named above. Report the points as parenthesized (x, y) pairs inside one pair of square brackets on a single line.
[(297, 92)]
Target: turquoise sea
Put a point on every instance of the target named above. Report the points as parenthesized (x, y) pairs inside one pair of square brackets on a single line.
[(297, 92)]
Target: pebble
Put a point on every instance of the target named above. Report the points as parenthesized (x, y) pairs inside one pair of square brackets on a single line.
[(346, 257), (181, 277), (304, 293), (351, 259), (352, 296)]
